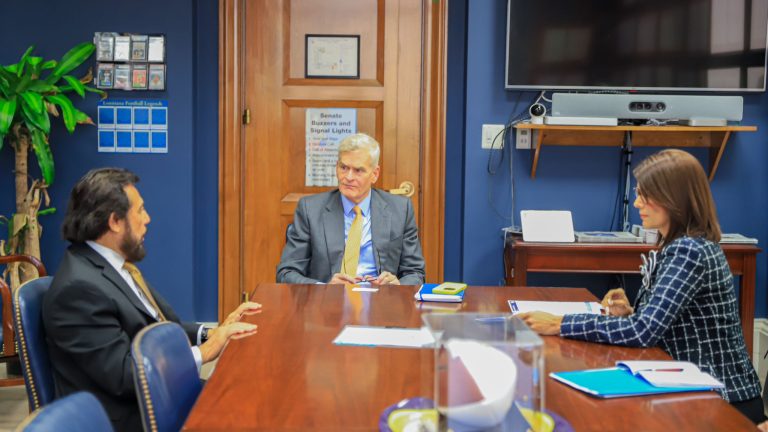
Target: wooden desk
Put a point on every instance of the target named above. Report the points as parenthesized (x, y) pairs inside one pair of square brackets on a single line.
[(290, 376), (522, 257)]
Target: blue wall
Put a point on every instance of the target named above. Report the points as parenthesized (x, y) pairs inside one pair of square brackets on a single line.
[(180, 188), (581, 179)]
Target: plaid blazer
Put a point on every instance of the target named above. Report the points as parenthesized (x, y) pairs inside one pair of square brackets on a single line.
[(687, 306)]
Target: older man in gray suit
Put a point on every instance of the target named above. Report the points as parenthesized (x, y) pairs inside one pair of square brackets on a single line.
[(354, 233)]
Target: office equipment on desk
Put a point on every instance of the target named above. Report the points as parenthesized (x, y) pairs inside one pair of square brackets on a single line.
[(397, 337), (556, 307), (735, 238), (671, 373), (606, 237), (550, 226), (617, 382), (451, 292)]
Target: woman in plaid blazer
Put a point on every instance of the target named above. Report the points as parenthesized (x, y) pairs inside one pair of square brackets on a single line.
[(687, 303)]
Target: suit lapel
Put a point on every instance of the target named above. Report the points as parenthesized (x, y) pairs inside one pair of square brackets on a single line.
[(333, 227), (379, 227), (111, 275)]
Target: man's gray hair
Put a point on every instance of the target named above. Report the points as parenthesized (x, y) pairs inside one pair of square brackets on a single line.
[(361, 141)]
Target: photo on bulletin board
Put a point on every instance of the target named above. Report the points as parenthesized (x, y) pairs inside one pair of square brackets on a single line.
[(332, 56), (122, 48), (156, 51), (106, 46), (139, 48), (156, 77), (105, 76), (122, 77), (139, 77)]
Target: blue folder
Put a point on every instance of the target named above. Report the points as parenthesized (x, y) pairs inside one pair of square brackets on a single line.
[(614, 382)]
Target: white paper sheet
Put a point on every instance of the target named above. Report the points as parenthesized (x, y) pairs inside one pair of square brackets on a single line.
[(385, 336), (555, 307)]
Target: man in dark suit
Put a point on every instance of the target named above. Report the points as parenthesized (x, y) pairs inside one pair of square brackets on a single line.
[(98, 300), (354, 233)]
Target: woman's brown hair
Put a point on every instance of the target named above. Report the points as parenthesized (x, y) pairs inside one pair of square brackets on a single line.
[(674, 179)]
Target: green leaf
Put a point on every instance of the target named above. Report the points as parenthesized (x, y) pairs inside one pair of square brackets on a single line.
[(72, 59), (82, 118), (43, 154), (50, 64), (23, 61), (76, 85), (7, 112), (67, 110), (48, 211), (40, 86), (34, 60), (37, 120), (33, 100), (100, 92), (13, 68), (9, 76)]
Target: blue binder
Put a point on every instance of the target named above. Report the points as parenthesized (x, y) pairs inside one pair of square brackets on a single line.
[(614, 382)]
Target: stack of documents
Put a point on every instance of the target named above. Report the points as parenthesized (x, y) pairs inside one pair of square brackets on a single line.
[(737, 238), (607, 237), (452, 292), (637, 378), (385, 336), (556, 307)]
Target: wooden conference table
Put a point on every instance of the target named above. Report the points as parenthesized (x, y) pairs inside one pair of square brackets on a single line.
[(521, 258), (290, 376)]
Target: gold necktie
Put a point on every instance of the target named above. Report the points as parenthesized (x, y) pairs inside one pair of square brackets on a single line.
[(139, 279), (352, 249)]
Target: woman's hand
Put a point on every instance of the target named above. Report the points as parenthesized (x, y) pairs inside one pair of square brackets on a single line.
[(541, 322), (616, 303)]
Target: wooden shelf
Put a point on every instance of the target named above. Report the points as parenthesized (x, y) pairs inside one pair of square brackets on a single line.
[(714, 138)]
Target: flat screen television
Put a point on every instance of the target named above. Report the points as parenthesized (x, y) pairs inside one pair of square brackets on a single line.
[(643, 45)]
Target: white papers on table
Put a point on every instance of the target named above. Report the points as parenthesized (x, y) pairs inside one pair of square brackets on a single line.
[(385, 336), (671, 373), (555, 307)]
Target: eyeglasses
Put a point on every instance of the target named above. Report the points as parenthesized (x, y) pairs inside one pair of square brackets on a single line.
[(639, 194)]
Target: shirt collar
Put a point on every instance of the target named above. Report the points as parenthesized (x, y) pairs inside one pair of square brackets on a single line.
[(113, 257), (365, 205)]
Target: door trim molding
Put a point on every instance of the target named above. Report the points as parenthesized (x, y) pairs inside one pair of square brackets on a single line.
[(231, 105)]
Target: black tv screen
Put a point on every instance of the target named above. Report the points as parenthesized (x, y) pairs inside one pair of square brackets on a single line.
[(671, 45)]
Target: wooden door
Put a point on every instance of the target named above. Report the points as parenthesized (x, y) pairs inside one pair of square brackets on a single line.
[(267, 57)]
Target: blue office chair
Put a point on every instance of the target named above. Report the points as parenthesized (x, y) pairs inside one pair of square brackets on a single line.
[(33, 351), (166, 376), (74, 413)]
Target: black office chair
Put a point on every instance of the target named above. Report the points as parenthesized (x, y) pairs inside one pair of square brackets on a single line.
[(77, 412), (165, 375), (33, 351)]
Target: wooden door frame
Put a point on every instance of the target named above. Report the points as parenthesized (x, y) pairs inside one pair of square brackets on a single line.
[(231, 152)]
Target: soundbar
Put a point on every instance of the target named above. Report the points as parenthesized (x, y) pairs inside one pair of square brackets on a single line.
[(581, 121), (699, 109)]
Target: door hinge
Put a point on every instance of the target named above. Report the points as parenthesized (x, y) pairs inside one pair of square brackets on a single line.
[(247, 116)]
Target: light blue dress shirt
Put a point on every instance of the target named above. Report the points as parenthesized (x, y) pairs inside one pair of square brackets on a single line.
[(366, 266)]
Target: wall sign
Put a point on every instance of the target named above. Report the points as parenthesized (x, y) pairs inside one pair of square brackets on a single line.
[(133, 126), (325, 127)]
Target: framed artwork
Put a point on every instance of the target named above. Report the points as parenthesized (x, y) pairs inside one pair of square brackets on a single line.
[(332, 56)]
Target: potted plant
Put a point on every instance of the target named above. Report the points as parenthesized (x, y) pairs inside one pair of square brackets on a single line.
[(31, 91)]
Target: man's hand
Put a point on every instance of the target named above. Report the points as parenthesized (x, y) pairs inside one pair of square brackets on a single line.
[(617, 303), (385, 278), (343, 279), (247, 308), (218, 339), (541, 322)]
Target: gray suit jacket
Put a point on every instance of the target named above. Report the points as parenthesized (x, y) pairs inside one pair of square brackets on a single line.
[(314, 247)]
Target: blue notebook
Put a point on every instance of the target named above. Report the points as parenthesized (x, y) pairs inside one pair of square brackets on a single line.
[(615, 382), (427, 292)]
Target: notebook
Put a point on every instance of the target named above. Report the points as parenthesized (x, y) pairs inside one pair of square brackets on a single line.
[(440, 292), (616, 382)]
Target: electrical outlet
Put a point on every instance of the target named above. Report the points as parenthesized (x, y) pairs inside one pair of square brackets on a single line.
[(492, 137), (524, 138)]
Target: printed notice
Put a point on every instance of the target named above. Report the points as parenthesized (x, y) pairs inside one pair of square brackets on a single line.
[(325, 127)]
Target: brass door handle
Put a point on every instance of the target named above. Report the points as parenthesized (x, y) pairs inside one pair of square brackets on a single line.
[(406, 188)]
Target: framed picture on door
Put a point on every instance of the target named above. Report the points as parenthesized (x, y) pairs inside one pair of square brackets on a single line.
[(332, 56)]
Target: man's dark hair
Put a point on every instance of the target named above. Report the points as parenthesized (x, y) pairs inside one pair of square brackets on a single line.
[(93, 199)]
